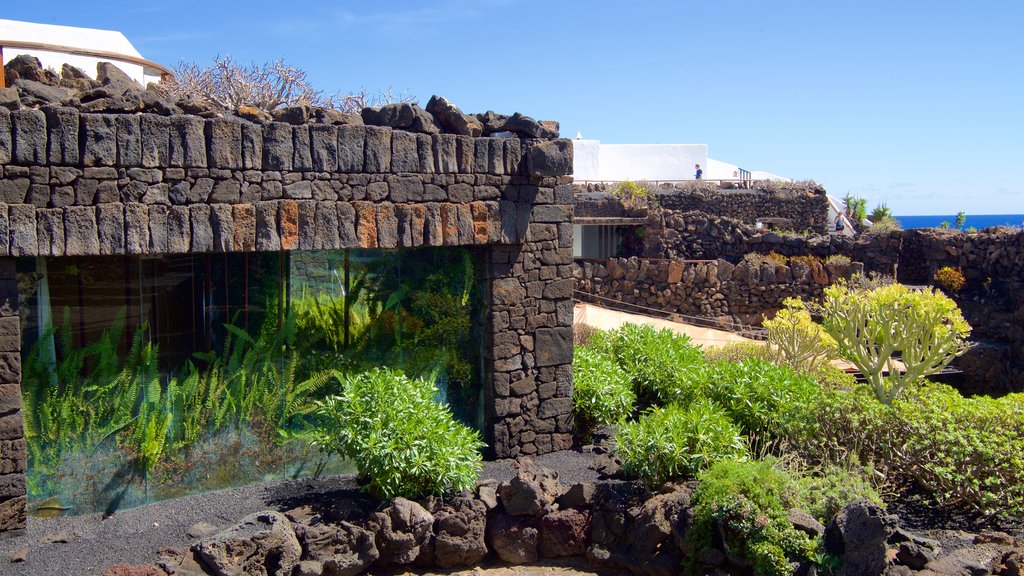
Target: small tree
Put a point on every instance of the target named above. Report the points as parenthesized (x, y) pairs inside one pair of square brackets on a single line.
[(794, 339), (876, 328), (960, 221), (881, 212)]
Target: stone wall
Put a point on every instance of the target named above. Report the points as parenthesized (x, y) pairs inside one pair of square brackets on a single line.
[(75, 183), (713, 289)]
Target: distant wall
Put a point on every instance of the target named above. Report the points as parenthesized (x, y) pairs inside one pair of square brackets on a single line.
[(615, 162)]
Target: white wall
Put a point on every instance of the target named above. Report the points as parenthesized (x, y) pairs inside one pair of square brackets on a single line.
[(614, 162), (86, 38), (718, 170)]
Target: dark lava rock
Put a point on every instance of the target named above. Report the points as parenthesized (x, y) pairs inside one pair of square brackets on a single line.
[(513, 538), (155, 103), (297, 114), (528, 127), (400, 115), (451, 119), (403, 532), (114, 78), (341, 550), (261, 544), (38, 94), (805, 523), (9, 98), (27, 67), (531, 492), (460, 529), (492, 122), (550, 158), (914, 556), (564, 533), (423, 122), (859, 533)]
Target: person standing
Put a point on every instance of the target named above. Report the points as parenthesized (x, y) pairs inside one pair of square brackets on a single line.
[(699, 172)]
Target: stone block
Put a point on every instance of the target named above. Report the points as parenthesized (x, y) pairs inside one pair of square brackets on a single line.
[(445, 153), (387, 225), (548, 158), (99, 140), (14, 190), (433, 232), (243, 236), (450, 224), (465, 154), (22, 230), (405, 188), (202, 228), (222, 225), (278, 146), (552, 213), (155, 132), (496, 155), (325, 233), (224, 141), (6, 145), (303, 189), (252, 146), (187, 142), (136, 228), (179, 230), (10, 400), (28, 127), (377, 149), (303, 155), (465, 225), (347, 220), (110, 222), (366, 224), (158, 229), (513, 152), (553, 346), (267, 238), (10, 336), (4, 231), (460, 193), (323, 140), (62, 126), (13, 513), (481, 149), (425, 151), (50, 232), (404, 154), (226, 192), (481, 222), (129, 140), (351, 146), (307, 224), (81, 235)]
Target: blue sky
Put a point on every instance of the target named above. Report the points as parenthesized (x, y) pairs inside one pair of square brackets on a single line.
[(917, 104)]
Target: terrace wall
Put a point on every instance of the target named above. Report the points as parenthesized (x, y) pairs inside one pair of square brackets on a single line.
[(79, 184)]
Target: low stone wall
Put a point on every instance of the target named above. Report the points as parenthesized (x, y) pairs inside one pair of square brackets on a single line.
[(714, 289)]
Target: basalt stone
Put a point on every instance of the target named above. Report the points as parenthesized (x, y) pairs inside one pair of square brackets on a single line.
[(527, 126), (222, 224), (22, 230), (267, 238), (324, 147), (553, 346), (136, 221), (158, 229), (39, 94), (325, 224), (14, 191), (252, 146), (366, 224), (343, 549), (495, 155), (513, 539), (399, 115), (50, 232), (303, 155), (155, 131), (433, 232), (297, 115), (6, 145), (480, 151), (244, 227), (404, 154), (187, 142), (460, 530), (403, 532), (113, 77), (81, 233), (405, 188), (179, 230), (351, 146), (387, 226), (224, 137), (465, 154), (28, 129), (377, 150), (62, 125), (550, 158), (9, 99), (129, 140), (451, 119), (110, 220), (307, 224), (347, 220), (261, 544), (226, 192), (278, 146), (423, 122)]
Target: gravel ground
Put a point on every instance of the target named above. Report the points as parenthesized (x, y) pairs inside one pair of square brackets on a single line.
[(91, 542)]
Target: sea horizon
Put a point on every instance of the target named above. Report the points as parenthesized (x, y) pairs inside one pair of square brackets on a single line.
[(978, 221)]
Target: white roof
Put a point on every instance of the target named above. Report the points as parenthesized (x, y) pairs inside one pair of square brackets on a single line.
[(86, 38)]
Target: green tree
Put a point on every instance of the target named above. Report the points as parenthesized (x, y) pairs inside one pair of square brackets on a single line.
[(881, 212), (881, 328), (960, 221)]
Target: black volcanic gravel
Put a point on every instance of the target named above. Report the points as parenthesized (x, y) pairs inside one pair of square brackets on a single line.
[(134, 536)]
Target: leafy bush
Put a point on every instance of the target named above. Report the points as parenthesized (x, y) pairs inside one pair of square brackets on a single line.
[(744, 504), (398, 436), (872, 327), (794, 339), (660, 363), (602, 393), (951, 280), (824, 492), (838, 260), (674, 442), (962, 450), (766, 401), (736, 352), (883, 226), (634, 195)]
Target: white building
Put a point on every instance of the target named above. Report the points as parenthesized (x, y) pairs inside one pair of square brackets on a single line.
[(83, 48)]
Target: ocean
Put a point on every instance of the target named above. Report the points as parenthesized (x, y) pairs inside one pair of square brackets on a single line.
[(978, 221)]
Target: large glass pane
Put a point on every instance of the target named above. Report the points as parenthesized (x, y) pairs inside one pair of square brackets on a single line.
[(154, 377)]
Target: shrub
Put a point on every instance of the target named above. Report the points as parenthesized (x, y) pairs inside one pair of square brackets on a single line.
[(744, 505), (824, 492), (602, 393), (961, 450), (634, 194), (660, 363), (673, 442), (766, 401), (884, 226), (403, 441), (838, 260), (757, 260), (736, 352), (777, 259), (951, 280), (794, 339), (871, 327)]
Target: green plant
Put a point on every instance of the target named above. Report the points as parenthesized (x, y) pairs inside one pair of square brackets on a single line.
[(602, 393), (777, 259), (881, 212), (673, 442), (743, 505), (960, 220), (398, 436), (883, 226), (951, 280), (840, 260), (633, 195), (924, 329), (823, 492), (795, 340), (660, 363)]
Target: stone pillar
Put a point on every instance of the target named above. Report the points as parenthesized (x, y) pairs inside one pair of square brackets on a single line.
[(13, 459)]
